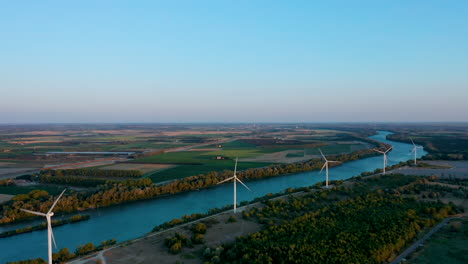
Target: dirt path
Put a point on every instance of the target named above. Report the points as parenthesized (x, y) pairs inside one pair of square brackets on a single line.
[(421, 241)]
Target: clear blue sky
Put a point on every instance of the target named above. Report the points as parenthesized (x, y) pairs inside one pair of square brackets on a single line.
[(233, 61)]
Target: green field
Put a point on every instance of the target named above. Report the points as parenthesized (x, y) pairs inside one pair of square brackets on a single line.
[(192, 163), (334, 149), (449, 246), (14, 190)]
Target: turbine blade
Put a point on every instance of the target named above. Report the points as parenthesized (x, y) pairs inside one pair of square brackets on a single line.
[(243, 184), (322, 154), (235, 167), (325, 164), (333, 161), (56, 201), (52, 234), (32, 212), (412, 141), (389, 149), (228, 179), (376, 150)]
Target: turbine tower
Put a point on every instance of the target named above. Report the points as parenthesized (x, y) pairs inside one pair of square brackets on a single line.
[(50, 234), (384, 157), (326, 167), (415, 149), (235, 180)]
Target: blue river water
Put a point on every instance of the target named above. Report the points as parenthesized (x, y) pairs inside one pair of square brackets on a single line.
[(132, 220)]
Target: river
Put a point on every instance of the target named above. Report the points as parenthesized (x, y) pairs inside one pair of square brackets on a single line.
[(132, 220)]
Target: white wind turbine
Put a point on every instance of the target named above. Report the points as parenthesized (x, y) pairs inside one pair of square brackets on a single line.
[(326, 167), (415, 149), (50, 234), (384, 157), (235, 180)]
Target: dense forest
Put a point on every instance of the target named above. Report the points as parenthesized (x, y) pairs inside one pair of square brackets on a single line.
[(343, 225), (113, 193)]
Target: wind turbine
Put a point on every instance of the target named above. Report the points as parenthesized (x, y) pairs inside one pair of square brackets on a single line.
[(50, 234), (415, 149), (384, 157), (235, 180), (326, 166)]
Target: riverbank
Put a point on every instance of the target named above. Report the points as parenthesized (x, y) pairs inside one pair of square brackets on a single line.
[(141, 189), (149, 248), (137, 218)]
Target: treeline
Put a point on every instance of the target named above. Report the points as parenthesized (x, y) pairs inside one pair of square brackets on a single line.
[(65, 255), (117, 193), (96, 173), (71, 180), (43, 225), (86, 181), (370, 228)]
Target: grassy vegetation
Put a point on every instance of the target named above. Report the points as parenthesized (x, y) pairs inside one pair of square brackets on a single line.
[(14, 190), (449, 245)]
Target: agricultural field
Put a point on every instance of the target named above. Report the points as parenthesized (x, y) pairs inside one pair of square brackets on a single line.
[(14, 190), (144, 168), (165, 152), (252, 153)]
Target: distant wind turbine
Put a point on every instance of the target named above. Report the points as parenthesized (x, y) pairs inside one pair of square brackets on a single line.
[(384, 157), (326, 167), (50, 234), (235, 180), (415, 149)]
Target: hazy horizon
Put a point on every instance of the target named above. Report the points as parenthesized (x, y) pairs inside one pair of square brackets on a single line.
[(233, 62)]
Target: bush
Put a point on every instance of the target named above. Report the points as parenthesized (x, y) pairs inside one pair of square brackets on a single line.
[(200, 228), (176, 247), (85, 249), (197, 239)]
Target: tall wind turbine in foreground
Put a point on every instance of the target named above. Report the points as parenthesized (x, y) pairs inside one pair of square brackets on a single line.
[(326, 167), (235, 180), (50, 235), (415, 149), (384, 157)]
